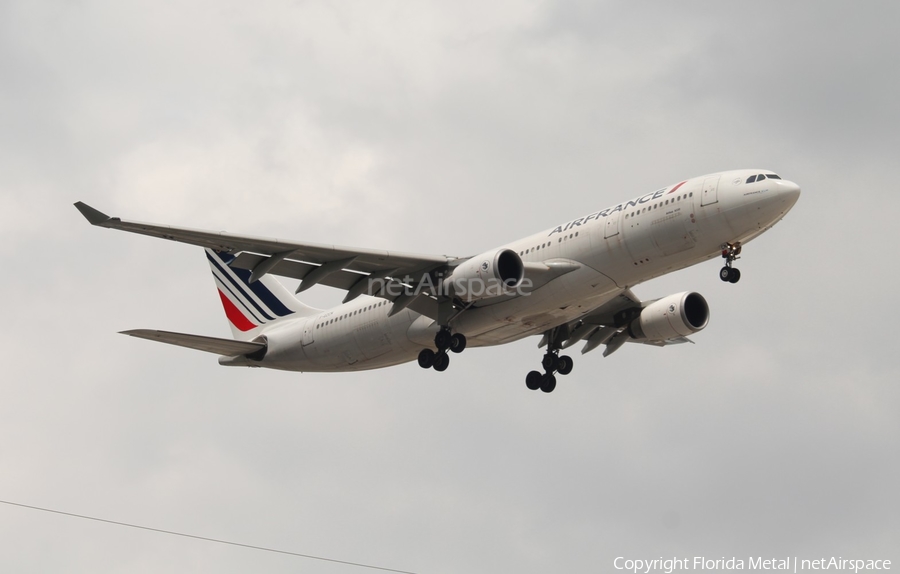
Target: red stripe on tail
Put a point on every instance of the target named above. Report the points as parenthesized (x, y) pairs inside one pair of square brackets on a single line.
[(234, 315)]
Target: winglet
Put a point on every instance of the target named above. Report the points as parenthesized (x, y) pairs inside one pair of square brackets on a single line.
[(92, 215)]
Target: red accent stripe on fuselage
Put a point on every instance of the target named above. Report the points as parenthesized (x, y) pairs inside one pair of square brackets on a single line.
[(677, 186), (234, 315)]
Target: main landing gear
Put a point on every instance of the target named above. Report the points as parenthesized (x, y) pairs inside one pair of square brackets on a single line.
[(730, 252), (444, 341), (552, 362)]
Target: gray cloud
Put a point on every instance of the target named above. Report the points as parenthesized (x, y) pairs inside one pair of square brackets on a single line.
[(449, 130)]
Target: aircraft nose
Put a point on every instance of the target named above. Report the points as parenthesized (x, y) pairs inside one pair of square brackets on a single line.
[(790, 190)]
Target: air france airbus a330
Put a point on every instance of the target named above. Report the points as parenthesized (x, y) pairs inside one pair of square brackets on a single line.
[(569, 283)]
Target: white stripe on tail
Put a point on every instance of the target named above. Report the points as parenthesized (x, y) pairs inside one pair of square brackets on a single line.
[(251, 306)]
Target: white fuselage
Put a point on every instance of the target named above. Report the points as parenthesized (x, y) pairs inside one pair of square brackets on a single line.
[(616, 248)]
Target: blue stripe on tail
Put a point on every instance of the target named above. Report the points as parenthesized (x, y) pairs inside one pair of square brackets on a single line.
[(265, 295), (239, 287)]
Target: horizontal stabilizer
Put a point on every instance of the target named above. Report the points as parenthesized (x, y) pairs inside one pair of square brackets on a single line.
[(199, 342)]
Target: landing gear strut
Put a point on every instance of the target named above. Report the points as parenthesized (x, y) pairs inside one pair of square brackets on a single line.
[(552, 362), (444, 341), (730, 252)]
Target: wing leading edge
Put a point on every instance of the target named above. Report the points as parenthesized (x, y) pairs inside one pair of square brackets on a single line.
[(341, 267)]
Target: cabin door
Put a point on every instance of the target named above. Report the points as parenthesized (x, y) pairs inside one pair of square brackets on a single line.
[(710, 191)]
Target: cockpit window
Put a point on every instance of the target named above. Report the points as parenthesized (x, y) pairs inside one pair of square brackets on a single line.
[(760, 177), (751, 179), (772, 176)]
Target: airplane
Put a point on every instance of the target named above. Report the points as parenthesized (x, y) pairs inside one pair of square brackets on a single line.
[(569, 283)]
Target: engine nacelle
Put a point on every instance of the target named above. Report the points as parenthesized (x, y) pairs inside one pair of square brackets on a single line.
[(671, 317), (490, 274)]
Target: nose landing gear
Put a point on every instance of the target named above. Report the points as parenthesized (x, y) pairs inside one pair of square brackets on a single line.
[(730, 252)]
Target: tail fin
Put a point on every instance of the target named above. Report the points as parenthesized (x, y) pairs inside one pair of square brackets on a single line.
[(250, 306)]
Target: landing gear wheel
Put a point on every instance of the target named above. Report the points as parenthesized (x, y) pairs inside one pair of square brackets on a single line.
[(550, 362), (426, 358), (564, 365), (441, 361), (730, 253), (458, 343), (442, 339), (548, 383), (533, 380)]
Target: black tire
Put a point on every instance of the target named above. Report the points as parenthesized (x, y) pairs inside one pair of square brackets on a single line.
[(735, 275), (441, 362), (725, 274), (442, 340), (565, 364), (533, 380), (550, 362), (458, 343), (426, 358), (548, 383)]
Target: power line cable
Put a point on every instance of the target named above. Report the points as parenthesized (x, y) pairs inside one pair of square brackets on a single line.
[(263, 548)]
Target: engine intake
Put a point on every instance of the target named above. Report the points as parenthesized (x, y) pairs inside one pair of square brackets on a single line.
[(490, 274), (671, 317)]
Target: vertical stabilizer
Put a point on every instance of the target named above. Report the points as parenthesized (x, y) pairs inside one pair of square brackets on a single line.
[(251, 306)]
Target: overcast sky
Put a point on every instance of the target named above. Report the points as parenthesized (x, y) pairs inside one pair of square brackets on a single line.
[(443, 128)]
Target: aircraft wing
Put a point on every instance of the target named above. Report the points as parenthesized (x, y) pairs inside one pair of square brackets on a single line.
[(227, 347), (606, 325), (341, 267), (601, 325)]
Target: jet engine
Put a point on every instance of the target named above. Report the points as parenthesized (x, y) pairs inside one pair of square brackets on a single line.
[(490, 274), (671, 317)]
